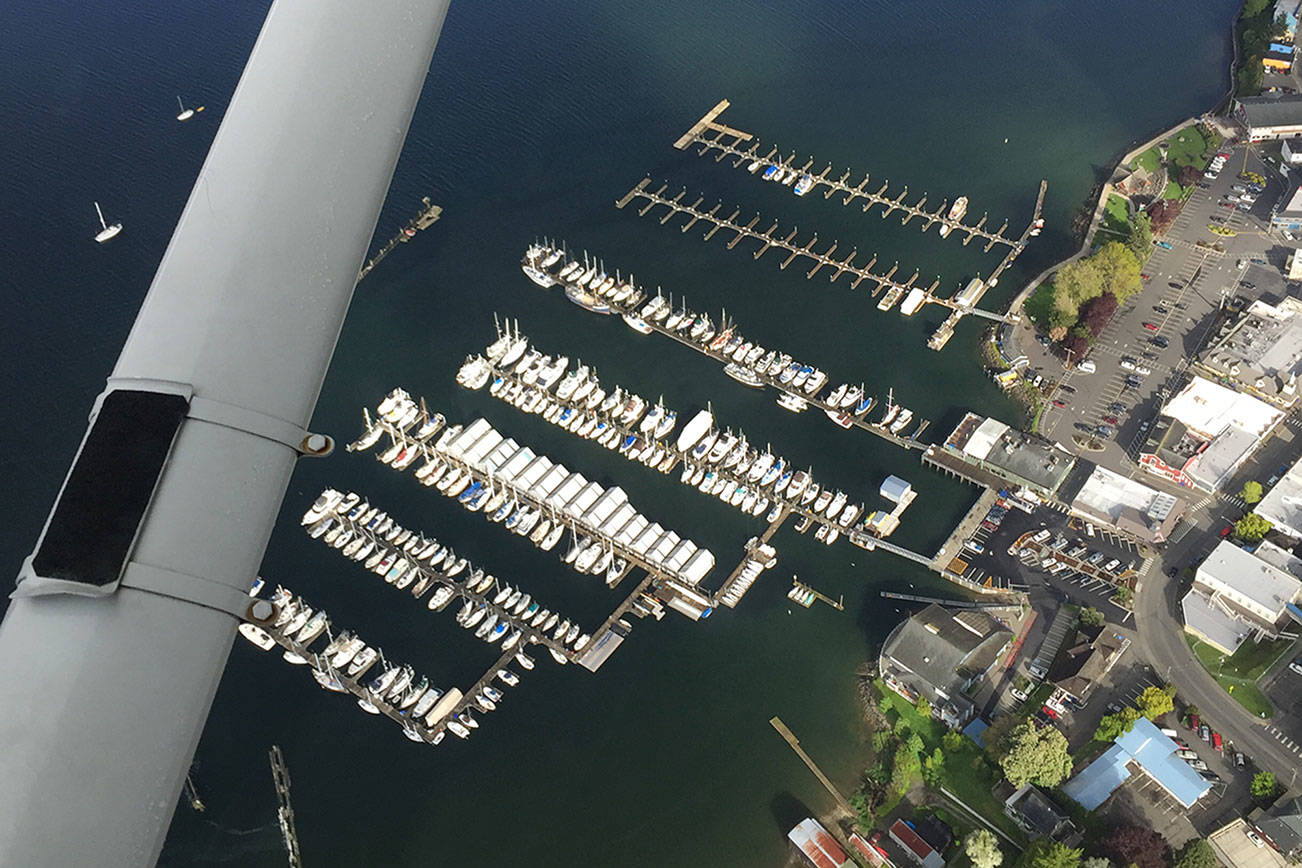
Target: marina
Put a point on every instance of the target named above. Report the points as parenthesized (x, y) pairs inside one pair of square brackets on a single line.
[(341, 664), (524, 491), (772, 167), (962, 303), (800, 384), (715, 460)]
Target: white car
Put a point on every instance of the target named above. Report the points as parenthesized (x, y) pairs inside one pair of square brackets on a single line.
[(1127, 365), (1112, 565), (1143, 370), (1086, 367), (1018, 695), (1041, 536), (1296, 666)]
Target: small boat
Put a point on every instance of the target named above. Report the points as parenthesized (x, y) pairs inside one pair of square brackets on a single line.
[(508, 677), (186, 113), (106, 232), (458, 730), (743, 374), (805, 184), (524, 660)]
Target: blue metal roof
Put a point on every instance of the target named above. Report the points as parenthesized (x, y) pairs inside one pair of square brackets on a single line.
[(1282, 49), (1153, 752)]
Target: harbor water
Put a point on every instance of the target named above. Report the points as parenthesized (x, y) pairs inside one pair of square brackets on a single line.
[(535, 118)]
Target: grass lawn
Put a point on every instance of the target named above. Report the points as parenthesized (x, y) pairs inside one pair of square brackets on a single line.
[(1039, 304), (1116, 215), (1239, 672), (1186, 148), (1173, 191), (968, 774), (1149, 160)]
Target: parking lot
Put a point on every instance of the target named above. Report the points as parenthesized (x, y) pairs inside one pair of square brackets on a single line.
[(1186, 285)]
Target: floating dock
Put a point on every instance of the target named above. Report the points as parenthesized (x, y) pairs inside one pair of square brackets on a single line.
[(424, 219), (722, 343), (713, 136), (772, 238)]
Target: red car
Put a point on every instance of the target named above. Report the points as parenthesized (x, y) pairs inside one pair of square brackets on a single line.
[(1216, 740), (1194, 722), (1145, 276), (1049, 711), (1111, 420), (1151, 326), (1225, 531), (1059, 402)]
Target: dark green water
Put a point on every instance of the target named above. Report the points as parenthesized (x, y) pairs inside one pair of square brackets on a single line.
[(535, 119)]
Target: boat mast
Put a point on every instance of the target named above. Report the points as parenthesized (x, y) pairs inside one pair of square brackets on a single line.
[(102, 224)]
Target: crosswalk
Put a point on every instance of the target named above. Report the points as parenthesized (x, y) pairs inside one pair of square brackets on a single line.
[(1283, 739)]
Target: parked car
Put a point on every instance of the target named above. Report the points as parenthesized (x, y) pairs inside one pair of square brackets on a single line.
[(1186, 754), (1042, 535), (1239, 761), (1160, 341), (1197, 764), (1151, 326), (1086, 366), (1127, 363), (1174, 285), (974, 546), (1159, 308), (1254, 837), (989, 525), (1117, 407), (1111, 420), (1205, 732), (1143, 370), (1059, 403), (1113, 708), (1217, 744), (1296, 666), (1105, 431), (1166, 245), (1257, 260), (1077, 552), (1095, 558), (1059, 544), (1018, 694), (1247, 284), (1071, 390), (1112, 564)]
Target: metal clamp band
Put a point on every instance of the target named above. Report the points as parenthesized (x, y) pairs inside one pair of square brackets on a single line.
[(261, 425), (187, 588)]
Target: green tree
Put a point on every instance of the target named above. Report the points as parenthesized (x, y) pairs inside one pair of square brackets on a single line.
[(863, 808), (914, 743), (952, 741), (1251, 492), (1196, 853), (1091, 617), (1264, 786), (904, 768), (922, 706), (1252, 7), (1047, 853), (1140, 242), (1155, 701), (1119, 270), (1251, 528), (982, 849), (1035, 756), (933, 768), (1113, 726)]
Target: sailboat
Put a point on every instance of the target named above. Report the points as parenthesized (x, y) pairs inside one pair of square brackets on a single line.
[(186, 113), (107, 231)]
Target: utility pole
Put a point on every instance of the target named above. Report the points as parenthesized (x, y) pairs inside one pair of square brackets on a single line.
[(284, 810)]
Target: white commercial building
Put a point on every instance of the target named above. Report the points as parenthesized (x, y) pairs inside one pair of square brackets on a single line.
[(1237, 593), (1205, 433), (1282, 505), (1260, 353), (1130, 506)]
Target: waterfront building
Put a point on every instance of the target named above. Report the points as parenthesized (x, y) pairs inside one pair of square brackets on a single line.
[(1144, 750), (943, 656), (1288, 10), (1128, 506), (1260, 353), (1270, 116), (915, 848), (818, 846), (1205, 433), (1288, 217), (1011, 455), (1291, 151), (1278, 61), (1237, 594)]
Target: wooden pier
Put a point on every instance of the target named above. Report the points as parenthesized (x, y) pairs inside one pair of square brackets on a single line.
[(284, 808), (727, 141), (763, 539), (797, 585), (426, 218), (771, 238), (791, 739)]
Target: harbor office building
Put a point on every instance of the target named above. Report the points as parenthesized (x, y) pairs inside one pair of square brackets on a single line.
[(1205, 433), (1238, 594), (1128, 506), (1270, 116), (1011, 455), (943, 656)]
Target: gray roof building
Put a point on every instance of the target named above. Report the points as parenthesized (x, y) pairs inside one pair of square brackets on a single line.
[(1282, 827), (1261, 353), (941, 655), (1016, 456), (1037, 814), (1085, 665), (1270, 116), (1282, 505)]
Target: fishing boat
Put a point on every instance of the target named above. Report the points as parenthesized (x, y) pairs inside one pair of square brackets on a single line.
[(805, 184), (743, 374), (794, 403), (106, 231)]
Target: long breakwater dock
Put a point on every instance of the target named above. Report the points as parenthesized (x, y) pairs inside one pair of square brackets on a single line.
[(425, 218), (800, 385), (711, 135)]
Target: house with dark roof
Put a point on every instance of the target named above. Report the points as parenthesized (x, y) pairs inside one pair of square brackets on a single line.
[(943, 655), (1085, 664), (1281, 827), (1037, 814)]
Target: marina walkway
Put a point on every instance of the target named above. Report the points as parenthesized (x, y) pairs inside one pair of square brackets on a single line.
[(713, 136), (770, 238)]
